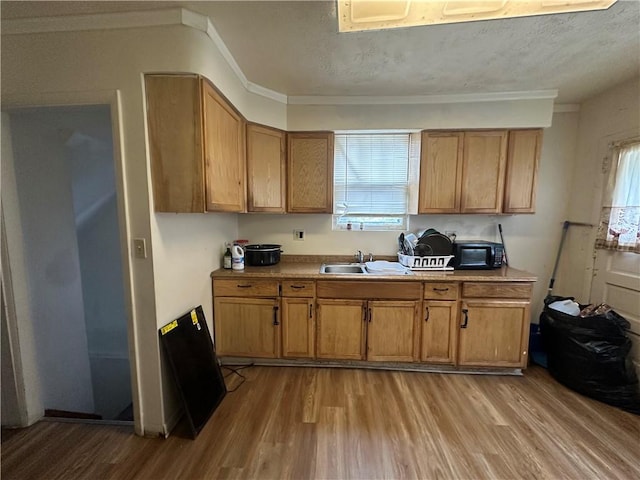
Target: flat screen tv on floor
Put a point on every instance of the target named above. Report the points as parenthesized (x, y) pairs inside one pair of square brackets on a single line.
[(192, 357)]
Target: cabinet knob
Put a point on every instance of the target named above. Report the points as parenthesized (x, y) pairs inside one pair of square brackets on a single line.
[(466, 318)]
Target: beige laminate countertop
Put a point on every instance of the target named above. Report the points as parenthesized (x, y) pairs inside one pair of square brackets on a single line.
[(311, 270)]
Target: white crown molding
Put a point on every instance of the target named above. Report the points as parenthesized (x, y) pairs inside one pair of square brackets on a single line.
[(182, 16), (423, 99), (101, 21), (566, 108), (212, 33)]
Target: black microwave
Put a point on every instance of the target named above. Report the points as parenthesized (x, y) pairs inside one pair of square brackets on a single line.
[(477, 255)]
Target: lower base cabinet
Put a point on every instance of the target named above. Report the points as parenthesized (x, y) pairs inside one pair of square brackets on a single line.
[(247, 327), (392, 331), (340, 329), (494, 333), (460, 324), (374, 330), (439, 332), (298, 328)]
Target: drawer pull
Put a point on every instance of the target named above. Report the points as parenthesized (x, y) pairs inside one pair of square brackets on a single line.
[(436, 289), (298, 287), (466, 318), (244, 286), (427, 317)]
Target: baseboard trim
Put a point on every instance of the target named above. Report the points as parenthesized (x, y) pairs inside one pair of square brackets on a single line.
[(404, 367), (171, 423)]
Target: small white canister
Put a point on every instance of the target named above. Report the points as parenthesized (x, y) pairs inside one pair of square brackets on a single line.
[(237, 258)]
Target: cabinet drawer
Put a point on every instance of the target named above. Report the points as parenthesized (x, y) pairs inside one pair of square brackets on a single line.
[(441, 290), (245, 287), (298, 288), (369, 290), (496, 290)]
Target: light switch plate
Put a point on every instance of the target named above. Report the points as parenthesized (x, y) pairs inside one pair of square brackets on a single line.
[(140, 248)]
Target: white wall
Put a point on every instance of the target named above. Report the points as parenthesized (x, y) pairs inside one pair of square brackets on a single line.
[(43, 178), (610, 116), (90, 153), (22, 355), (10, 407), (90, 157), (469, 114)]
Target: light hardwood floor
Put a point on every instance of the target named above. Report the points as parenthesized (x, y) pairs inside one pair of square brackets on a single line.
[(303, 423)]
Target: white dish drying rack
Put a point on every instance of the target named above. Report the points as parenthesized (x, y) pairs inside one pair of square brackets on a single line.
[(432, 262)]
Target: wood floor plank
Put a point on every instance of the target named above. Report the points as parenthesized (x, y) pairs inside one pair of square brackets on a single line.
[(304, 423)]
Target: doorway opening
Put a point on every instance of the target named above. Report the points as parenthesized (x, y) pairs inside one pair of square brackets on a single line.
[(68, 207)]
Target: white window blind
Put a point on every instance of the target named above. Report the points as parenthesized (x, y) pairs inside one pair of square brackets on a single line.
[(371, 174)]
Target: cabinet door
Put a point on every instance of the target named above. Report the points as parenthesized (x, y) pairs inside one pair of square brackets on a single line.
[(298, 328), (174, 120), (439, 332), (310, 172), (483, 167), (522, 170), (224, 133), (494, 333), (440, 172), (265, 169), (392, 331), (247, 327), (341, 329)]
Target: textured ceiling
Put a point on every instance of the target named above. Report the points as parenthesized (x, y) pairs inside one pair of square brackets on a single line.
[(294, 48)]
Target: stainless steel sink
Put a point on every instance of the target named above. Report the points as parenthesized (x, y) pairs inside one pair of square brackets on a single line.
[(343, 269)]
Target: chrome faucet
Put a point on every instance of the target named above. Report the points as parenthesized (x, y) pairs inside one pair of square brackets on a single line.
[(359, 256)]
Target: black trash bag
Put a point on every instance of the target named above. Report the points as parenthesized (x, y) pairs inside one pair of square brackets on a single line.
[(591, 355)]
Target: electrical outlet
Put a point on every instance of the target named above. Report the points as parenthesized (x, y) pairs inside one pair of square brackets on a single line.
[(140, 248), (298, 235)]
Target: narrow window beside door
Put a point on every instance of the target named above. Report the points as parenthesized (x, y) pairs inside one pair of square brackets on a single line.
[(619, 227)]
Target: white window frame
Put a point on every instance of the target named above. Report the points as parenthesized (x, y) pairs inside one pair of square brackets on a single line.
[(343, 221)]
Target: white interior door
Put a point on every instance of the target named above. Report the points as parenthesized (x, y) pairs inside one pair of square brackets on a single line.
[(616, 282)]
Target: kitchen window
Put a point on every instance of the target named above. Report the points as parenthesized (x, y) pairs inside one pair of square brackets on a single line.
[(375, 180)]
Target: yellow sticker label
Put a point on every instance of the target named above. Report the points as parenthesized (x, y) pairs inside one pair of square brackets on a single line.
[(194, 317), (167, 328)]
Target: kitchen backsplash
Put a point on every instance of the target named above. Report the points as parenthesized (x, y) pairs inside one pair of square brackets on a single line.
[(320, 239)]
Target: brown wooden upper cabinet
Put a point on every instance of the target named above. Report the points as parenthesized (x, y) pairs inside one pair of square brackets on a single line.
[(197, 146), (440, 172), (484, 158), (522, 171), (266, 149), (310, 172), (483, 171)]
